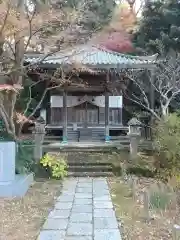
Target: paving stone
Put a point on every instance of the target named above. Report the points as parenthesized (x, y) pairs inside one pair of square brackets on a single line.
[(81, 217), (79, 238), (102, 198), (97, 180), (82, 208), (97, 191), (85, 179), (105, 223), (68, 192), (100, 187), (60, 213), (100, 180), (100, 184), (102, 213), (84, 201), (55, 224), (65, 198), (84, 204), (80, 229), (83, 190), (51, 235), (84, 185), (101, 193), (103, 204), (105, 234), (63, 205), (83, 195)]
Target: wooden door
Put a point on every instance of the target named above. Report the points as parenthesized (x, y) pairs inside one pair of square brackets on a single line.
[(92, 114), (86, 114)]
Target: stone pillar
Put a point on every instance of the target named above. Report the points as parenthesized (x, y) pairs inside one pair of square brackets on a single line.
[(64, 117), (39, 133), (107, 138), (7, 162), (11, 184), (134, 134)]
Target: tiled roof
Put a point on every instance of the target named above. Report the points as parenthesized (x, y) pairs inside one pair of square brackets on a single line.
[(92, 56)]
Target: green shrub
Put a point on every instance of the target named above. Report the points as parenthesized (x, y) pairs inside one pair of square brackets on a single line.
[(56, 163), (139, 170), (24, 157), (167, 147)]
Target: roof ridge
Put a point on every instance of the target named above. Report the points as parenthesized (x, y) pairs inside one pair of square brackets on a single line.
[(102, 48)]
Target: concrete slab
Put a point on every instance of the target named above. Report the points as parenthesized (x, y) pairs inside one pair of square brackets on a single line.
[(81, 217), (55, 224), (18, 187), (80, 229), (105, 234)]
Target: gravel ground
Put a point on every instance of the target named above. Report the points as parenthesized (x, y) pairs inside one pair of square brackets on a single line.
[(131, 215), (22, 219)]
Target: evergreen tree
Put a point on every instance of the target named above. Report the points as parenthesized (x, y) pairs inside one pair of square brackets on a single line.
[(159, 28)]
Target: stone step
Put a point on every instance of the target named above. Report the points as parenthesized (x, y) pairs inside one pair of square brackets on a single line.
[(89, 162), (47, 148), (90, 174), (89, 168)]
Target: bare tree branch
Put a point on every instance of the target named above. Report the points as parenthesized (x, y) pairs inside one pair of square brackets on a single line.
[(166, 85)]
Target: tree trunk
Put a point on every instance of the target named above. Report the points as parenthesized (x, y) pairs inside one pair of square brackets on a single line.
[(165, 110)]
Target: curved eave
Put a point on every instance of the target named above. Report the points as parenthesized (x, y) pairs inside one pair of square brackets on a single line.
[(97, 66), (94, 58)]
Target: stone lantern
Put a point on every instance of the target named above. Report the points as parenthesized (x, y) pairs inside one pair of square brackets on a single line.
[(134, 134), (39, 134)]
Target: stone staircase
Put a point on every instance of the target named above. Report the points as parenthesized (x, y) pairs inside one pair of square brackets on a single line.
[(88, 164), (73, 135), (96, 134)]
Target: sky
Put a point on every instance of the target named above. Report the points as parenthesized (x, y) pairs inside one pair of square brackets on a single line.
[(137, 4)]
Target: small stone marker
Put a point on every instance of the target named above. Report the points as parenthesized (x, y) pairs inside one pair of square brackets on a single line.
[(146, 206), (124, 174), (176, 232), (133, 188)]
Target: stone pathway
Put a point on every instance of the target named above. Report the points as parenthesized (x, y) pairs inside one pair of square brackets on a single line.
[(83, 211)]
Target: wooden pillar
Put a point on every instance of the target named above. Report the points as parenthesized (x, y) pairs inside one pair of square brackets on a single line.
[(65, 117), (152, 98), (152, 90), (121, 109), (107, 138), (48, 108)]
